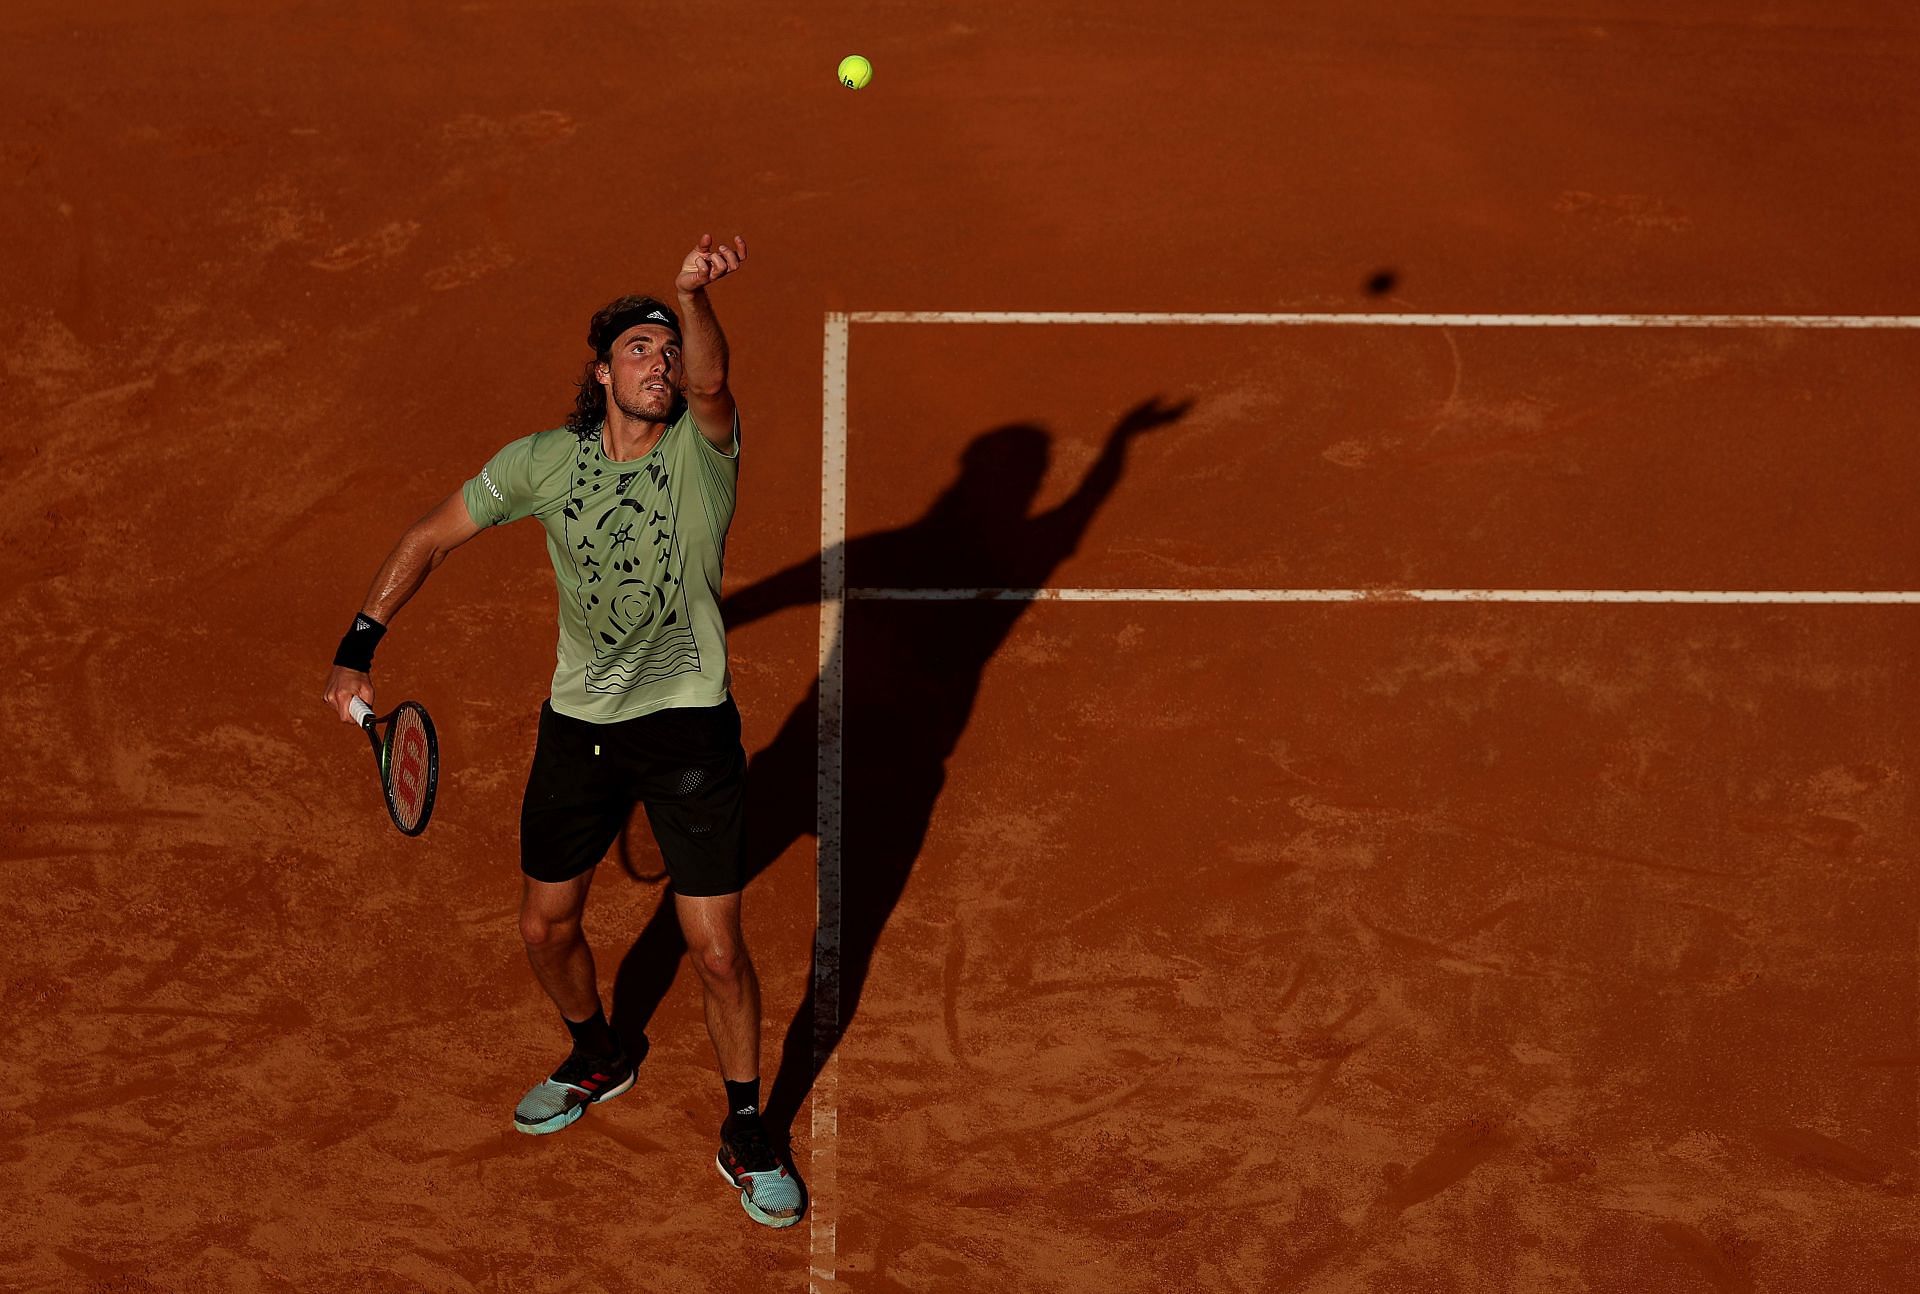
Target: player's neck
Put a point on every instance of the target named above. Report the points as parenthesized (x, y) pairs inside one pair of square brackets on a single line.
[(625, 439)]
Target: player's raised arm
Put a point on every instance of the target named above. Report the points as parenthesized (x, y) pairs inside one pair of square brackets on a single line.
[(424, 546), (703, 345)]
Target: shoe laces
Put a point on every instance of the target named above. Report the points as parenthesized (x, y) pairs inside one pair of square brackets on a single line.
[(747, 1139), (581, 1064)]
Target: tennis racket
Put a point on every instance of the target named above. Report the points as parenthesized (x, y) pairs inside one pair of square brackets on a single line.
[(408, 757)]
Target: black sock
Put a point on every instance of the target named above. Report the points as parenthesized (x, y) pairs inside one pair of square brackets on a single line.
[(594, 1036), (743, 1098)]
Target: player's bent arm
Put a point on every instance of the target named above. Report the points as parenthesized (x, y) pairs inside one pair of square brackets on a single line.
[(423, 547), (704, 353)]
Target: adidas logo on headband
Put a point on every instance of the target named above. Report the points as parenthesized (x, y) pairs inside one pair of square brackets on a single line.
[(628, 312)]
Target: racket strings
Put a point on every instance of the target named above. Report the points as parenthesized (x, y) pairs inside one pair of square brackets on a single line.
[(410, 770)]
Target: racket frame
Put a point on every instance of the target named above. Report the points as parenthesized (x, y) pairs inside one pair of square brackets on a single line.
[(383, 758)]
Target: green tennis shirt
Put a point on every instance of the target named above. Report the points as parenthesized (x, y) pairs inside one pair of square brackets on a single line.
[(636, 547)]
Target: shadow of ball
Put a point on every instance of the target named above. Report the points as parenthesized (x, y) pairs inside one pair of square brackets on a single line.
[(1382, 283)]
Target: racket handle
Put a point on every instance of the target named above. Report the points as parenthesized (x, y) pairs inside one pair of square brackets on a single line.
[(360, 711)]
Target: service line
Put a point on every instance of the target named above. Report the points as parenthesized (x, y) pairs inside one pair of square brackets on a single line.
[(1866, 597), (1381, 319)]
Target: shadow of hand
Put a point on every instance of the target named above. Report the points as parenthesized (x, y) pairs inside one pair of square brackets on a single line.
[(1149, 415)]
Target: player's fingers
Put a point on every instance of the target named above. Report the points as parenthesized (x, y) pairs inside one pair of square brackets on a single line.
[(741, 243)]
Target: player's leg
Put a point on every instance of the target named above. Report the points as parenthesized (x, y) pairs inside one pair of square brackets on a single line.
[(718, 950), (696, 805), (557, 949), (576, 802), (749, 1155), (694, 789)]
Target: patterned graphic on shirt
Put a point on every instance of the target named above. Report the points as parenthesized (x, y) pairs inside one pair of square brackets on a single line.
[(630, 572)]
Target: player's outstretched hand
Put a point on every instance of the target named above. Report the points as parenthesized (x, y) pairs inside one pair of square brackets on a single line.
[(342, 686), (709, 262)]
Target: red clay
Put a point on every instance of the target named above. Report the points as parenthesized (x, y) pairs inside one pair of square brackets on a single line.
[(1379, 947)]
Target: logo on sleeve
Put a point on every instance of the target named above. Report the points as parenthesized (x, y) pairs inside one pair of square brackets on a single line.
[(492, 489)]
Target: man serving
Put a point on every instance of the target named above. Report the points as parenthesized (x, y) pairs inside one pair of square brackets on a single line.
[(636, 493)]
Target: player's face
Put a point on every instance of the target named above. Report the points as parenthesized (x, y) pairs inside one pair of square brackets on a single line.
[(643, 372)]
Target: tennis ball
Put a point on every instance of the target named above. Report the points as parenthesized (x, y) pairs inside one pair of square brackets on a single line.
[(855, 72)]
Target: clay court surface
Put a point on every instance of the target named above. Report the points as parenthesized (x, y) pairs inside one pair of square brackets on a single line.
[(1377, 946)]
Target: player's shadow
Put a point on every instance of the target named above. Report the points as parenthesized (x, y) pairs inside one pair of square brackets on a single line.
[(912, 672)]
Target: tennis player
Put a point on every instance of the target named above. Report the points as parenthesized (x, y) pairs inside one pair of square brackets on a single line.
[(636, 493)]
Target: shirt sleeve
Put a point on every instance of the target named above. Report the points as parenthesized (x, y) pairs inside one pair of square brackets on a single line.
[(719, 472), (508, 487), (733, 450)]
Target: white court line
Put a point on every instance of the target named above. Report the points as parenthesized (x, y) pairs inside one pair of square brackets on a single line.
[(823, 1164), (1382, 595), (1383, 320), (823, 1170)]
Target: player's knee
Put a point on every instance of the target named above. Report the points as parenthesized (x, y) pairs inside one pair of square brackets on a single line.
[(541, 931), (724, 964)]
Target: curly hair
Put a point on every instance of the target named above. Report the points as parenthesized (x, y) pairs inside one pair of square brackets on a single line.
[(589, 402), (608, 322)]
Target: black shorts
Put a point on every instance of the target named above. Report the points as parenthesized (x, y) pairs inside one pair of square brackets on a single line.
[(686, 765)]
